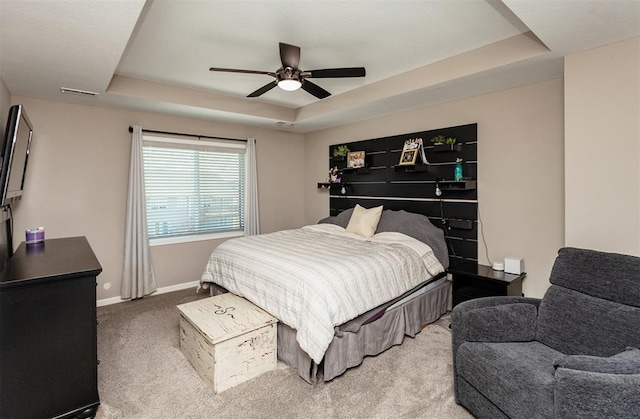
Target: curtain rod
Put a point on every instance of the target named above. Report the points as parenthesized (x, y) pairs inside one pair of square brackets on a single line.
[(189, 135)]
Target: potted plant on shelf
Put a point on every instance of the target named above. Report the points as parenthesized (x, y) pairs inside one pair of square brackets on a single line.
[(442, 143), (340, 151)]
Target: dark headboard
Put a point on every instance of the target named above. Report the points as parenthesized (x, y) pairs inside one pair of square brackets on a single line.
[(412, 188)]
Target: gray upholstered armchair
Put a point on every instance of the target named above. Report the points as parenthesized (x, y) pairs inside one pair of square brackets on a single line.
[(573, 354)]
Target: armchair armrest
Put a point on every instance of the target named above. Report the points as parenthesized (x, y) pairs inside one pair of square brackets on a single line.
[(594, 387), (494, 319)]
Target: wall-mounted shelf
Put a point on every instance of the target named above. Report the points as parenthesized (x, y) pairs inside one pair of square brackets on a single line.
[(358, 170), (410, 168), (438, 148), (328, 185), (457, 185)]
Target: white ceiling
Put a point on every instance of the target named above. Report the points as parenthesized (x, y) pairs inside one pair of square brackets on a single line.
[(155, 55)]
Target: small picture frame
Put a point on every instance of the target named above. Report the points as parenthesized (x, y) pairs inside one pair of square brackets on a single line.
[(408, 157), (355, 159)]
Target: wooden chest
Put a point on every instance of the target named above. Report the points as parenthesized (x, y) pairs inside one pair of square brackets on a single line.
[(227, 339)]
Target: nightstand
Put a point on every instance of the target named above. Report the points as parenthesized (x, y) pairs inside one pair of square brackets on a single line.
[(471, 280)]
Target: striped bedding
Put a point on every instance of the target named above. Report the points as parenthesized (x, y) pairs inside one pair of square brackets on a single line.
[(320, 276)]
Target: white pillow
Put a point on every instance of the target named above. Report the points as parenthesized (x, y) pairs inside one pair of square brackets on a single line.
[(364, 221)]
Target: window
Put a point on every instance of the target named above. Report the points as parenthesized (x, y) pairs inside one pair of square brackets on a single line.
[(194, 189)]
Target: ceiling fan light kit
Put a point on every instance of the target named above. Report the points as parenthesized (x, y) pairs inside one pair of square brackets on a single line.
[(289, 77), (289, 85)]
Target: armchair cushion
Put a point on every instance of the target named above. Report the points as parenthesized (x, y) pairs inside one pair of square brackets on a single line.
[(505, 323), (577, 323), (610, 276)]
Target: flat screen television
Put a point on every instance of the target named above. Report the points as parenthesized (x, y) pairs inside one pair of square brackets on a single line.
[(15, 155)]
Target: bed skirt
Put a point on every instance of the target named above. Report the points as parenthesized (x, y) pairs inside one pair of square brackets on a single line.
[(348, 348)]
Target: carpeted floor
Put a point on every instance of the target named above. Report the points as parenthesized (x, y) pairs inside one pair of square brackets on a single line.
[(143, 374)]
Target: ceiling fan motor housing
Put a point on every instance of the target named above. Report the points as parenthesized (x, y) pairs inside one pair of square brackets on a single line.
[(288, 73)]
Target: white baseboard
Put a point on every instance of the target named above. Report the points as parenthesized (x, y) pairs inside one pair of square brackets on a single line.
[(161, 290)]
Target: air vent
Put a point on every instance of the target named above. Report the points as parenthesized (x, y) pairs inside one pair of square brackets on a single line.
[(78, 92), (284, 124)]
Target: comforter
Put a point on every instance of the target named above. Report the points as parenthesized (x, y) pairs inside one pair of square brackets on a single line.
[(320, 276)]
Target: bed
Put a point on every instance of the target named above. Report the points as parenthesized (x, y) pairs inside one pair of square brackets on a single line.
[(340, 293)]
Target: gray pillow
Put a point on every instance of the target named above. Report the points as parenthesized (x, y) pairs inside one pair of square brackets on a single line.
[(341, 219), (626, 362), (419, 227)]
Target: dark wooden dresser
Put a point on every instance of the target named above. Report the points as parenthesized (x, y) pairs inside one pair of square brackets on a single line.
[(48, 348)]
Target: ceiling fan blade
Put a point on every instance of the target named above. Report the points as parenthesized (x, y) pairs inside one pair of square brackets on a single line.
[(264, 89), (289, 55), (235, 70), (336, 72), (314, 89)]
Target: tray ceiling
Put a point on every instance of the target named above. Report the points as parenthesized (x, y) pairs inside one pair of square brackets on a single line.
[(155, 55)]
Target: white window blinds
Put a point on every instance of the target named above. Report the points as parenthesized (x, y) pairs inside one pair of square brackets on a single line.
[(193, 187)]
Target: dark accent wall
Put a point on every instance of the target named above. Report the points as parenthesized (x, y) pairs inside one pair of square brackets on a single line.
[(412, 188)]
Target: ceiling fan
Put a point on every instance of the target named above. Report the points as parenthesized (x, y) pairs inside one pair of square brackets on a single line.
[(290, 77)]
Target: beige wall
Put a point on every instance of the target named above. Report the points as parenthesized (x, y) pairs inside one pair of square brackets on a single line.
[(602, 145), (5, 103), (76, 183), (520, 170)]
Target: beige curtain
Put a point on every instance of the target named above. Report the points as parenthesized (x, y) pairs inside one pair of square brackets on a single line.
[(251, 210), (137, 273)]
